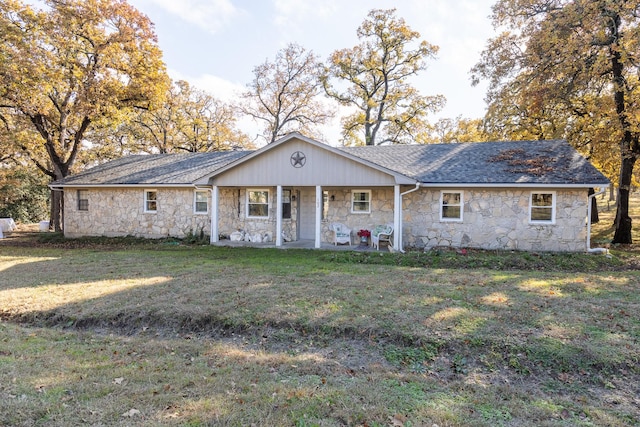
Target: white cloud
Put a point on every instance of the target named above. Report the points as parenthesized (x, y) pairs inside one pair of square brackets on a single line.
[(222, 89), (290, 12), (210, 15)]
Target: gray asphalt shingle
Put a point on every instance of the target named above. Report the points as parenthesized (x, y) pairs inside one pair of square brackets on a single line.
[(522, 162), (168, 169), (525, 162)]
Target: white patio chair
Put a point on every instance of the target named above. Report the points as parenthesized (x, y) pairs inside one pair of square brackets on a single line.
[(341, 233), (381, 233)]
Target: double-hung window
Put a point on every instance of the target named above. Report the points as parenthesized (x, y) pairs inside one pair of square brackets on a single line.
[(361, 201), (200, 202), (150, 201), (83, 200), (451, 205), (542, 208), (258, 203)]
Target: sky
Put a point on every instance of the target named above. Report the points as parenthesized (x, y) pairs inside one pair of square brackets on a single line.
[(215, 44)]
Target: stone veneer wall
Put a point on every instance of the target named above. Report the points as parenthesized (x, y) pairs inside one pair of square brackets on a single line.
[(232, 207), (120, 212), (339, 210), (492, 219), (496, 219)]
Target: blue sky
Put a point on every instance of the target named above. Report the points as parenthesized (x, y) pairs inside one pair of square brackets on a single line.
[(215, 44)]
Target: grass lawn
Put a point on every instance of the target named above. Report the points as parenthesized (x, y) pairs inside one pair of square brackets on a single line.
[(118, 332)]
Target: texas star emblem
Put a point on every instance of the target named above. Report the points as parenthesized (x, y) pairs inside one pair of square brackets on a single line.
[(298, 159)]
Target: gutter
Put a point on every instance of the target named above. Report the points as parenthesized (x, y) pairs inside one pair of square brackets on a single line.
[(589, 248), (507, 185)]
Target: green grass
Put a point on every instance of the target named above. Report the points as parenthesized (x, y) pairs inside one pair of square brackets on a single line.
[(199, 335)]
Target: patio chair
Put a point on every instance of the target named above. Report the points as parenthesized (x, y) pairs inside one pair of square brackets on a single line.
[(381, 233), (341, 233)]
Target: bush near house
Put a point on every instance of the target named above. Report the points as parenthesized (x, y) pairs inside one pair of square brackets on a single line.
[(24, 195)]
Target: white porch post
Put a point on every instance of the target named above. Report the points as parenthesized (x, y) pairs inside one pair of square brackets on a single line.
[(318, 215), (397, 218), (279, 216), (214, 214)]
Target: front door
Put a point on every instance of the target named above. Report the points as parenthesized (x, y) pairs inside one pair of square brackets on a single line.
[(307, 214)]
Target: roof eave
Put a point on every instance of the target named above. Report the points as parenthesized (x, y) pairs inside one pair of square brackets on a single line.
[(107, 185)]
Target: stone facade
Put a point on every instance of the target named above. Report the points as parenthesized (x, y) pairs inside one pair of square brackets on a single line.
[(339, 210), (120, 212), (492, 218), (496, 219), (232, 216)]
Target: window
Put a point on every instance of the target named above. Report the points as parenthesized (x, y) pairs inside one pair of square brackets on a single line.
[(361, 201), (150, 201), (258, 203), (542, 207), (451, 205), (201, 202), (286, 204), (83, 200)]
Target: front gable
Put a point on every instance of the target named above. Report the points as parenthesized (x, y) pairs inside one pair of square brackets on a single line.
[(299, 161)]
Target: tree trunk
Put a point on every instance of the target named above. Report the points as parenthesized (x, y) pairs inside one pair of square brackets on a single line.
[(628, 144), (623, 220), (57, 205)]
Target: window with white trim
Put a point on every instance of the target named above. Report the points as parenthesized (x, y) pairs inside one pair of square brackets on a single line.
[(451, 204), (286, 204), (201, 202), (361, 201), (257, 203), (150, 201), (542, 207), (83, 200)]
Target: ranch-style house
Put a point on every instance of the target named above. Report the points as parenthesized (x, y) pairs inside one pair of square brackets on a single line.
[(529, 195)]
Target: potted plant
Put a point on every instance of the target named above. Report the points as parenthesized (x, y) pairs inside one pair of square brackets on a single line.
[(364, 236)]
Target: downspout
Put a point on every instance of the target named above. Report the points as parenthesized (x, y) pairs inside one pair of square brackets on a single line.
[(401, 248), (589, 249)]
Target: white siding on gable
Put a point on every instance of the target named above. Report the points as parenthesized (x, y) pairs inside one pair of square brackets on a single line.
[(315, 166)]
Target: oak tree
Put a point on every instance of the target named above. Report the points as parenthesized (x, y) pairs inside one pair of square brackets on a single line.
[(569, 68), (373, 78), (70, 64), (283, 94), (188, 120), (460, 129)]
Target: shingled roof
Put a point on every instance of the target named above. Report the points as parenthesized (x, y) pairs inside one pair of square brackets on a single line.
[(154, 169), (521, 162), (491, 163)]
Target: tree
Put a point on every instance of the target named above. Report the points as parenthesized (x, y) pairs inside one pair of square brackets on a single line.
[(24, 195), (457, 130), (377, 72), (189, 120), (569, 68), (70, 65), (283, 94)]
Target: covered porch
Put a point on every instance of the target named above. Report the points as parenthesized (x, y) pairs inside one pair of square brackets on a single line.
[(267, 181)]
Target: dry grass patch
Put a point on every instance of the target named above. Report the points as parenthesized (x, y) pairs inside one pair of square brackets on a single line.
[(170, 335)]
